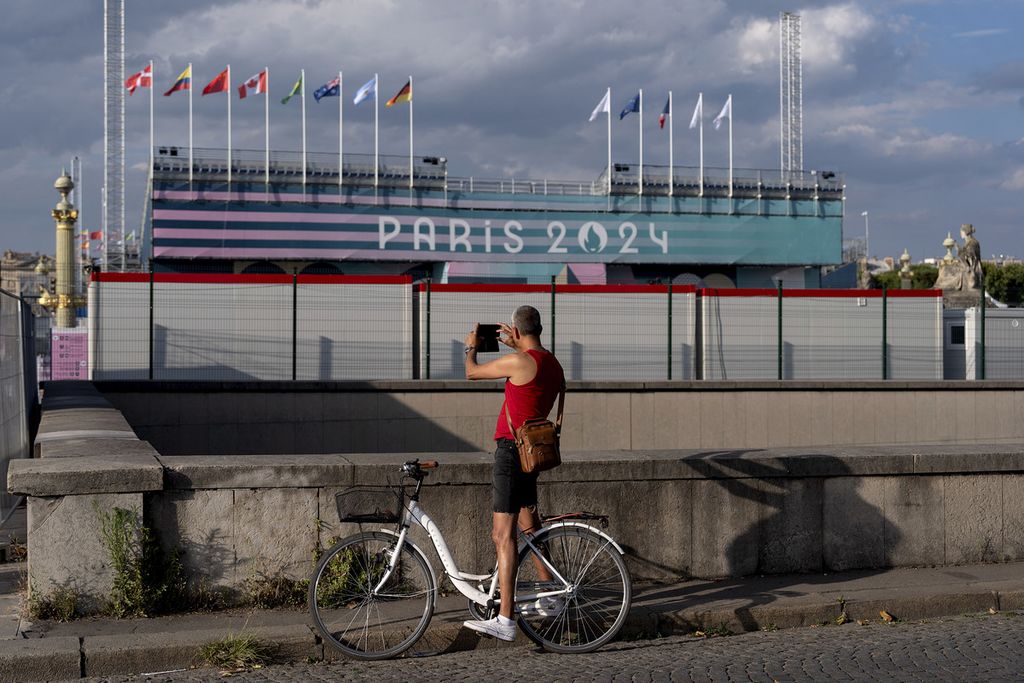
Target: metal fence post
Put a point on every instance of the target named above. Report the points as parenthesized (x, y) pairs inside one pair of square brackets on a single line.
[(426, 334), (295, 324), (670, 329), (779, 360), (150, 322), (981, 360), (885, 332), (552, 314)]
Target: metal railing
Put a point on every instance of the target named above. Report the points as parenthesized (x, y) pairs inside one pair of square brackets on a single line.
[(18, 394), (432, 172)]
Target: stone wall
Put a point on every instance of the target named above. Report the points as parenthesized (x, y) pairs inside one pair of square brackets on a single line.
[(188, 418), (677, 512)]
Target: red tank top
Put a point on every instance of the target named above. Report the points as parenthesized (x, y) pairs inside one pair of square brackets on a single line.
[(535, 398)]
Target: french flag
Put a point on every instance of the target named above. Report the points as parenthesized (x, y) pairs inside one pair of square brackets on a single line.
[(257, 85)]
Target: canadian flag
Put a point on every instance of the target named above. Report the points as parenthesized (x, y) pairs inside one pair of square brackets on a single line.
[(143, 79), (257, 85)]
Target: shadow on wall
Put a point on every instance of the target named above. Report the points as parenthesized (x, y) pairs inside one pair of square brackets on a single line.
[(208, 419), (752, 516)]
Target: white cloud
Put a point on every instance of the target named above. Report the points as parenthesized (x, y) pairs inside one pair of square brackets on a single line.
[(1015, 181), (981, 33)]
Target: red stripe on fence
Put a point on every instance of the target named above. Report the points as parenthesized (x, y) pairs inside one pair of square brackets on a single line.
[(825, 293), (486, 288), (251, 279), (355, 279)]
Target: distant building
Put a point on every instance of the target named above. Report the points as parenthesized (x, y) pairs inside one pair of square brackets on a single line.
[(19, 277)]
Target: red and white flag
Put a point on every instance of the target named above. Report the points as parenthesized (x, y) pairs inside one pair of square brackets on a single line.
[(257, 85), (143, 79)]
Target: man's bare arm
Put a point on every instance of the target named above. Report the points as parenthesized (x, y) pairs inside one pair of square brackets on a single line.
[(499, 368)]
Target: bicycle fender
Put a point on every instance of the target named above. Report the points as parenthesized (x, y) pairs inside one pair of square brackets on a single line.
[(585, 526), (430, 565)]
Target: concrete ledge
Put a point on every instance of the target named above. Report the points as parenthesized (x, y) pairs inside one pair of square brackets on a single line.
[(42, 659), (426, 385), (86, 474), (111, 655), (256, 471)]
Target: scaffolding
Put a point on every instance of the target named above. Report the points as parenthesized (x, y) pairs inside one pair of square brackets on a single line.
[(113, 136), (791, 94)]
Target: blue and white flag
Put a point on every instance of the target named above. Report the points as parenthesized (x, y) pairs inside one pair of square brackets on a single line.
[(367, 91), (632, 106), (329, 89)]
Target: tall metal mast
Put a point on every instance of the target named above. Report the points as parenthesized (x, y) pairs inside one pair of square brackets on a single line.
[(113, 134), (791, 94)]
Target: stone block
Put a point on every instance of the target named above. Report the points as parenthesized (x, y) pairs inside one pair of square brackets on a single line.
[(656, 535), (791, 533), (974, 518), (40, 659), (754, 407), (275, 532), (914, 514), (256, 471), (198, 524), (66, 548), (727, 515), (85, 474), (853, 522), (1013, 517)]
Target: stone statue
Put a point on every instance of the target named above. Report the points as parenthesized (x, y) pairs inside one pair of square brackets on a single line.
[(962, 273)]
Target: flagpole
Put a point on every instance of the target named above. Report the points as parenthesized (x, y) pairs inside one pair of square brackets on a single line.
[(341, 148), (266, 133), (608, 110), (376, 157), (730, 145), (152, 87), (229, 130), (640, 122), (411, 132), (190, 88), (302, 94), (670, 160), (700, 101)]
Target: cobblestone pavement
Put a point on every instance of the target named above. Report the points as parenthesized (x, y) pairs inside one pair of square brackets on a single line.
[(982, 648)]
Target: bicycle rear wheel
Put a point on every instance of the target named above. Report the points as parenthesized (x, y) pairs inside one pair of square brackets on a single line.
[(597, 590), (355, 617)]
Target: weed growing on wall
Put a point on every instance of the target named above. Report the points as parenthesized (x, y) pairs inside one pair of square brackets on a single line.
[(237, 652), (146, 581), (60, 604)]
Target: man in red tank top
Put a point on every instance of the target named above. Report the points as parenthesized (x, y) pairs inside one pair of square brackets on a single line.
[(533, 379)]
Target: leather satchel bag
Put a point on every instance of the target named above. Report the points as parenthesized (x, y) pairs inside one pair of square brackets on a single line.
[(537, 440)]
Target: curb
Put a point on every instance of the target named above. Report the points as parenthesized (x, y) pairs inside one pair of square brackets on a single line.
[(110, 655)]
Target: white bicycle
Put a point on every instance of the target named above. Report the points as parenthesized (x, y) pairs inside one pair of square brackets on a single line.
[(372, 594)]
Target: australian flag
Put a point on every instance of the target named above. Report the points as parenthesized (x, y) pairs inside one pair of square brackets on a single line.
[(632, 106), (329, 89)]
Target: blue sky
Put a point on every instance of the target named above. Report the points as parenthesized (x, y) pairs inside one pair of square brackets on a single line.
[(919, 103)]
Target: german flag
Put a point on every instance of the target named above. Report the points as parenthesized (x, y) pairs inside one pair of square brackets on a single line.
[(403, 95)]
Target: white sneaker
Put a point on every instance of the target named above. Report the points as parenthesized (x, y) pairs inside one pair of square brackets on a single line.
[(502, 629), (548, 606)]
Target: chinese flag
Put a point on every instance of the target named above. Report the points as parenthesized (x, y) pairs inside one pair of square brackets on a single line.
[(218, 84)]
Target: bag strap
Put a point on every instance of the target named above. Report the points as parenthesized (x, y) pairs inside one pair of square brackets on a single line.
[(561, 405), (511, 430)]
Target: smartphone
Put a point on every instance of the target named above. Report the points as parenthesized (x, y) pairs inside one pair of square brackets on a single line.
[(487, 338)]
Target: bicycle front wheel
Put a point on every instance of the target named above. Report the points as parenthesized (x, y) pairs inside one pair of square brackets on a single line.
[(585, 609), (357, 615)]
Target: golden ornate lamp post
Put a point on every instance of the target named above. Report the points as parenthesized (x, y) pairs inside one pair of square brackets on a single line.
[(906, 275), (62, 299)]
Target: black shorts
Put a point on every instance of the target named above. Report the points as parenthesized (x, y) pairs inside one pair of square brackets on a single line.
[(512, 488)]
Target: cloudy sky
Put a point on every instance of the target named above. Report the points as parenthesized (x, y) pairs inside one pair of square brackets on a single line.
[(919, 102)]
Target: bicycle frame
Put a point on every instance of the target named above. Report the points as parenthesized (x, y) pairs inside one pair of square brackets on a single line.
[(463, 581)]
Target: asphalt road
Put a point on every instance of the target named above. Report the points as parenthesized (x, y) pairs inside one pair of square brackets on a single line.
[(980, 648)]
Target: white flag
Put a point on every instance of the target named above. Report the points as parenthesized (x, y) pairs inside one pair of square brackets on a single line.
[(604, 106), (698, 112), (726, 112), (368, 90)]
